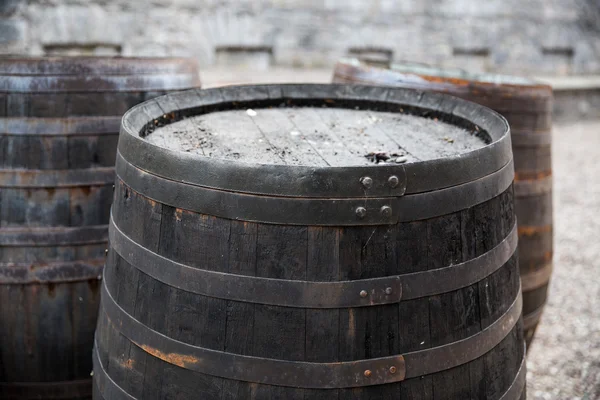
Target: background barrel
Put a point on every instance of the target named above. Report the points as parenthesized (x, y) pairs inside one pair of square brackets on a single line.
[(311, 242), (59, 124), (527, 106)]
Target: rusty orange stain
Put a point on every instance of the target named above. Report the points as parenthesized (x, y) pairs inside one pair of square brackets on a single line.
[(129, 363), (178, 214), (181, 360), (351, 323), (533, 230), (532, 176)]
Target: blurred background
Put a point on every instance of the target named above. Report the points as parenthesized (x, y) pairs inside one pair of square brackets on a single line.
[(541, 37), (556, 41)]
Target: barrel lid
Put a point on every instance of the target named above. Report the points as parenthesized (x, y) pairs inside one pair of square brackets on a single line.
[(385, 179), (500, 92), (68, 74), (437, 74)]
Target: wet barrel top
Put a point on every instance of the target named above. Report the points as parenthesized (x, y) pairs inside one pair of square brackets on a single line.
[(315, 154)]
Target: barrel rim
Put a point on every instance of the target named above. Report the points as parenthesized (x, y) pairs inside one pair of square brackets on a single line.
[(450, 76), (64, 64), (311, 181)]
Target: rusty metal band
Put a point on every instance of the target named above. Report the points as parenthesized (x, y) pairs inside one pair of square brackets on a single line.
[(307, 374), (314, 211), (53, 236), (63, 178), (302, 181), (536, 187), (533, 318), (76, 389), (515, 390), (536, 279), (310, 294), (72, 126), (440, 358), (108, 388), (97, 83), (58, 272), (531, 139)]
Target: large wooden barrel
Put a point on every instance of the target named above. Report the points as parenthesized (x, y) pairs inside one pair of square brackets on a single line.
[(59, 124), (311, 242), (527, 106)]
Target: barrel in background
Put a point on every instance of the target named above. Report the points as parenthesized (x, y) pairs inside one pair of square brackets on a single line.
[(311, 241), (59, 125), (527, 106)]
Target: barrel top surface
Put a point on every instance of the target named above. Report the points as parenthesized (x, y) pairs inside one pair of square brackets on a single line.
[(96, 74), (316, 136), (244, 130), (57, 66), (432, 74)]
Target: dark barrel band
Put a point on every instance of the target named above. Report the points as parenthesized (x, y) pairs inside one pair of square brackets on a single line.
[(531, 139), (314, 211), (533, 318), (309, 294), (108, 388), (526, 188), (309, 375), (58, 272), (63, 178), (53, 236), (312, 182), (72, 126), (515, 390), (536, 279), (76, 389)]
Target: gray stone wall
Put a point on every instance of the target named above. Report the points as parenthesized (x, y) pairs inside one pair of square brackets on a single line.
[(541, 37)]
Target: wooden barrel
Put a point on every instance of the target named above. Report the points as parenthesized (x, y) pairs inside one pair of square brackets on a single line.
[(59, 124), (527, 106), (311, 242)]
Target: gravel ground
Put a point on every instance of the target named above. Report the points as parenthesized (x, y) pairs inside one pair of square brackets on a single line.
[(564, 359)]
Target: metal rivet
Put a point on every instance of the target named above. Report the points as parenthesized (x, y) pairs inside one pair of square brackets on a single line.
[(368, 373), (105, 252), (361, 212), (386, 211), (367, 182), (392, 370), (393, 181), (363, 293), (388, 290), (113, 188)]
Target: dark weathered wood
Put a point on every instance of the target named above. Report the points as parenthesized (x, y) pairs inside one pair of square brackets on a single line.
[(527, 106), (57, 116), (304, 253)]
